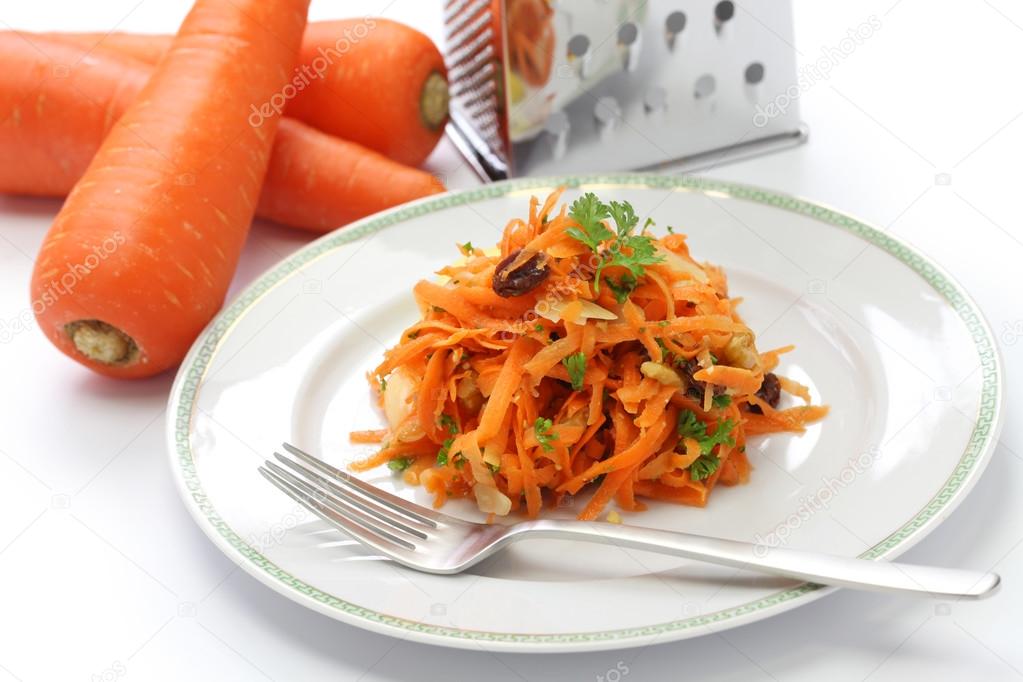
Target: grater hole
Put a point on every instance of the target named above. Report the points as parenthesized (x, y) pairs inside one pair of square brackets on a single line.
[(578, 46), (754, 73), (627, 34), (705, 86), (675, 23), (724, 11)]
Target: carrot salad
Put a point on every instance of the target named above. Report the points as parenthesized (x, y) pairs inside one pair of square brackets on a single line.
[(583, 355)]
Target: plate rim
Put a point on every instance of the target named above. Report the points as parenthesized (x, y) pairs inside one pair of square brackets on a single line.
[(185, 389)]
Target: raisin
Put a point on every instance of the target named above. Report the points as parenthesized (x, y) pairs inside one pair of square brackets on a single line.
[(769, 392), (696, 388), (524, 278)]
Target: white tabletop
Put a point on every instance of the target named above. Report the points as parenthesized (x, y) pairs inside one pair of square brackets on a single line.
[(103, 575)]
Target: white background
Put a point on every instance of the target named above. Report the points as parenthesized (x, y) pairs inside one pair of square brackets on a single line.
[(103, 575)]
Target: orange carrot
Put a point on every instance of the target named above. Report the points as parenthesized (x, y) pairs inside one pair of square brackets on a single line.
[(608, 487), (644, 446), (372, 81), (742, 380), (430, 398), (52, 126), (507, 382), (695, 497), (370, 436), (153, 256)]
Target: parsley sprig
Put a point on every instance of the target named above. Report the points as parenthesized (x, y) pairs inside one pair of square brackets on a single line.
[(619, 247), (542, 429), (576, 366), (703, 467), (590, 212), (622, 288), (689, 426)]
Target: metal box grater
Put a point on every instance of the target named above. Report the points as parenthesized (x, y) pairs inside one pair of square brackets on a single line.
[(544, 87)]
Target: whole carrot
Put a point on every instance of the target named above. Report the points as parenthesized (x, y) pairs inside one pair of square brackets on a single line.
[(58, 101), (372, 81), (152, 232)]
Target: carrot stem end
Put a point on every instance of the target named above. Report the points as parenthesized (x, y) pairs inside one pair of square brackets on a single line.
[(101, 342), (433, 100)]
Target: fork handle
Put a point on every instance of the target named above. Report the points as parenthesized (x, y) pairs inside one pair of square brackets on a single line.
[(814, 567)]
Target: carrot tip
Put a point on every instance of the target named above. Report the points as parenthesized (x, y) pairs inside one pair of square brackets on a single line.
[(433, 100), (101, 342)]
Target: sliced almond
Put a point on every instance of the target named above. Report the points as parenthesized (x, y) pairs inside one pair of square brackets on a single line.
[(491, 500), (589, 310), (398, 405), (677, 262)]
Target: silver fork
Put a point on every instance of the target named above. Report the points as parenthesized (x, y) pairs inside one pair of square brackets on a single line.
[(429, 541)]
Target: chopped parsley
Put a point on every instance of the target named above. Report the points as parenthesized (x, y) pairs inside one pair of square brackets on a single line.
[(383, 383), (691, 427), (722, 401), (542, 429), (722, 436), (399, 463), (667, 356), (539, 327), (623, 287), (703, 467), (626, 249), (448, 422), (494, 468), (576, 366)]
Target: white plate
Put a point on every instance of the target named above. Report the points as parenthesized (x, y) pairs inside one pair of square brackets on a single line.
[(884, 336)]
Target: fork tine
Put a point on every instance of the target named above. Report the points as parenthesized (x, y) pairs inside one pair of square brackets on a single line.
[(393, 502), (379, 540), (339, 506), (341, 496)]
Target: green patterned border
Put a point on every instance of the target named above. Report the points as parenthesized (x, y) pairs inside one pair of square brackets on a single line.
[(190, 376)]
